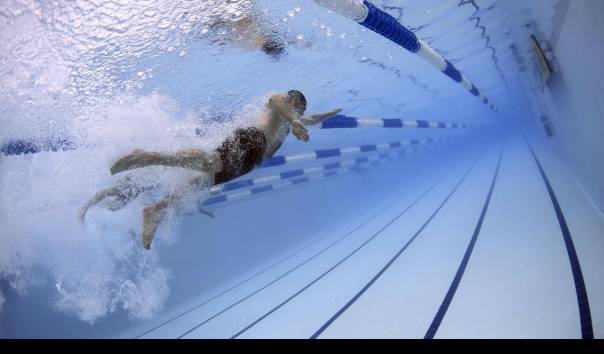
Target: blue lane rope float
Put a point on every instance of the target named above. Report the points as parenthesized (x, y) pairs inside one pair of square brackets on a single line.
[(250, 187), (22, 146), (382, 23), (278, 186), (281, 160), (358, 165), (309, 171), (343, 122), (295, 177)]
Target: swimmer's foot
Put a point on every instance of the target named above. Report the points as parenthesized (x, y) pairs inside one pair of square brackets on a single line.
[(152, 217), (82, 215), (136, 159)]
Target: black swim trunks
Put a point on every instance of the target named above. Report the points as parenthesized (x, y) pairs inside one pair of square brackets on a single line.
[(240, 153)]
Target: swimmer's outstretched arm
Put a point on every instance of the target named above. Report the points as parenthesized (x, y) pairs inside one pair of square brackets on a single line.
[(318, 118)]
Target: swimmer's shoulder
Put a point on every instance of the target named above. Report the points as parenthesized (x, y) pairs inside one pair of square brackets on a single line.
[(277, 98), (276, 101)]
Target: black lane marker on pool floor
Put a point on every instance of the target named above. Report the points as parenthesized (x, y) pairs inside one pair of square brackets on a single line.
[(271, 267), (260, 272), (587, 331), (343, 259), (392, 260), (464, 263), (309, 259)]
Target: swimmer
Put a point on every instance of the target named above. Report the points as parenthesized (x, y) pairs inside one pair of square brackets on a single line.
[(236, 156), (250, 33)]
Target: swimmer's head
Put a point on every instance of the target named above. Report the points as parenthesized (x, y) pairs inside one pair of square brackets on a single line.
[(297, 101), (273, 47)]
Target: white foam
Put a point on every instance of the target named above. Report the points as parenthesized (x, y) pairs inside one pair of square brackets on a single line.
[(53, 86), (100, 267)]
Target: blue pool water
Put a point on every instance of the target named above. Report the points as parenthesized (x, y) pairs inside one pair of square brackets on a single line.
[(421, 213)]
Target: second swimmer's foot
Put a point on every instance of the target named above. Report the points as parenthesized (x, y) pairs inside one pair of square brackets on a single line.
[(128, 162)]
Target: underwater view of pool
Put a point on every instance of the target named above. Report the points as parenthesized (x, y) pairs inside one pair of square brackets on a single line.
[(301, 169)]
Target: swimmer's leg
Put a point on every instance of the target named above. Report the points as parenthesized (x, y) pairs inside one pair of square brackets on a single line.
[(123, 191), (194, 159), (152, 217), (97, 197), (154, 214)]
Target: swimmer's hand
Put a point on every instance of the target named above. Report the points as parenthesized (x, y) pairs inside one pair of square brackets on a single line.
[(318, 118), (334, 112), (299, 130)]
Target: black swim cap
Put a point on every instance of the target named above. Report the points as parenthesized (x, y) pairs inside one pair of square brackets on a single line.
[(273, 47), (297, 94)]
